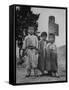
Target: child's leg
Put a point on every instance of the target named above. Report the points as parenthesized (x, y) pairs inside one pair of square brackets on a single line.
[(28, 72), (49, 72), (55, 74), (35, 72), (28, 69)]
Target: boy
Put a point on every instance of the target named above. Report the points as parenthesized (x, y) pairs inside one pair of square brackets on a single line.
[(30, 46), (43, 52), (51, 64)]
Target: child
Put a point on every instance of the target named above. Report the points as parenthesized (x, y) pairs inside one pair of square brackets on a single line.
[(30, 47), (43, 53), (51, 64)]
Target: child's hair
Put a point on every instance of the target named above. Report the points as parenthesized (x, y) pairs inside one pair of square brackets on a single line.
[(51, 34), (43, 34), (30, 26)]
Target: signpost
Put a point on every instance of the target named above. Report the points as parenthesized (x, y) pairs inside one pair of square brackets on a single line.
[(52, 26)]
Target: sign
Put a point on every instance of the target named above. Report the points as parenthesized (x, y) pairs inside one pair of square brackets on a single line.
[(54, 28)]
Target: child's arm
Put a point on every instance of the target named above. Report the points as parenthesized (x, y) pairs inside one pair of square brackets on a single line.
[(37, 45), (36, 42), (48, 48), (47, 41), (24, 47), (24, 44), (55, 49)]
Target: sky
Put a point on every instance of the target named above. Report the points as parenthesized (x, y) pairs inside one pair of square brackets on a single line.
[(60, 18)]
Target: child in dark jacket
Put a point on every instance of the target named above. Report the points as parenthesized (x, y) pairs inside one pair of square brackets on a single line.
[(42, 53)]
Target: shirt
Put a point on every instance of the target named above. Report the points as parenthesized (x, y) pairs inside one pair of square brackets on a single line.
[(30, 40)]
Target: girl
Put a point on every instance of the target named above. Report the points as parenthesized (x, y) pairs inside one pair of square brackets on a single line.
[(51, 62)]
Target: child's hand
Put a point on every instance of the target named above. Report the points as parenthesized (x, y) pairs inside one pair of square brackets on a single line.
[(55, 51), (36, 52), (24, 65)]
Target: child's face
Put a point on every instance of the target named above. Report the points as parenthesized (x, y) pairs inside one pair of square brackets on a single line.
[(31, 30), (44, 37), (51, 39)]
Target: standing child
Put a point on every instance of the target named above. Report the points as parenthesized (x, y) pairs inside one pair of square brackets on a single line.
[(51, 64), (43, 53), (30, 46)]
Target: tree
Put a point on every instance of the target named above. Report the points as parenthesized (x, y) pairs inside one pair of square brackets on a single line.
[(24, 18)]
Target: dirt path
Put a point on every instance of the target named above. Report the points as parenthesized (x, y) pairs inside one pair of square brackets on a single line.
[(21, 72)]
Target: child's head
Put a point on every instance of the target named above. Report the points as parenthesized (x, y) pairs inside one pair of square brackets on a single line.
[(52, 38), (44, 35), (31, 30)]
